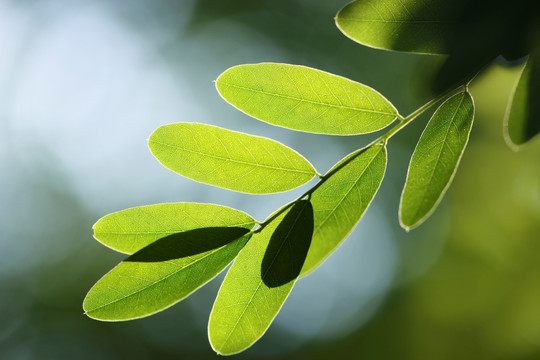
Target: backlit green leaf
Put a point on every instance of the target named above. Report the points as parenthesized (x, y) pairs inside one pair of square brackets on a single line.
[(420, 26), (342, 199), (229, 159), (435, 159), (305, 99), (260, 280), (163, 273), (522, 121), (130, 230)]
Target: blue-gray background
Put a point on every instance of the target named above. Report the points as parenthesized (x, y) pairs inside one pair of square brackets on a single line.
[(84, 83)]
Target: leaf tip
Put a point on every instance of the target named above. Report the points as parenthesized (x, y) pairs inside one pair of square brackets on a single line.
[(413, 223), (511, 144), (86, 313), (514, 146), (405, 227), (213, 346), (217, 351)]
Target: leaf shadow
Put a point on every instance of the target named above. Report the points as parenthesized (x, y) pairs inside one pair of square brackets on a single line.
[(288, 246), (472, 33), (187, 243)]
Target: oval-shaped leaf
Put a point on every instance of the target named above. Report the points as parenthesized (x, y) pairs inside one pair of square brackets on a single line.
[(420, 26), (229, 159), (260, 280), (522, 121), (132, 229), (305, 99), (435, 159), (341, 200), (163, 273)]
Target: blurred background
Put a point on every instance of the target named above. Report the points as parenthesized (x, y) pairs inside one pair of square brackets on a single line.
[(83, 85)]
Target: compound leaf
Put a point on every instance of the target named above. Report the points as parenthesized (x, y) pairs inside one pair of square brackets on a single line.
[(260, 280), (130, 230), (342, 199), (522, 121), (229, 159), (420, 26), (305, 99), (435, 159), (163, 273)]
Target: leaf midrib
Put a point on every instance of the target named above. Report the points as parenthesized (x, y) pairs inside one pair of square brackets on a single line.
[(233, 160), (309, 101)]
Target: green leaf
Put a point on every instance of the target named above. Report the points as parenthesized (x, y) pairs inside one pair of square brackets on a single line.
[(420, 26), (163, 273), (435, 159), (260, 280), (305, 99), (522, 121), (130, 230), (341, 200), (229, 159)]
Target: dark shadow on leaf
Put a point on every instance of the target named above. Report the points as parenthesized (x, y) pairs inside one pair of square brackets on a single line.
[(473, 33), (187, 243), (288, 246), (485, 30)]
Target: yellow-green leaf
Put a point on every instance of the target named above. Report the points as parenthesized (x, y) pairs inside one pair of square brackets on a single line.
[(305, 99), (229, 159), (435, 159), (260, 280), (163, 273), (341, 200)]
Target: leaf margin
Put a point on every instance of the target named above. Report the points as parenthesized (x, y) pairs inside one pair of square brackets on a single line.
[(450, 180), (336, 18), (506, 134), (396, 114), (302, 157)]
